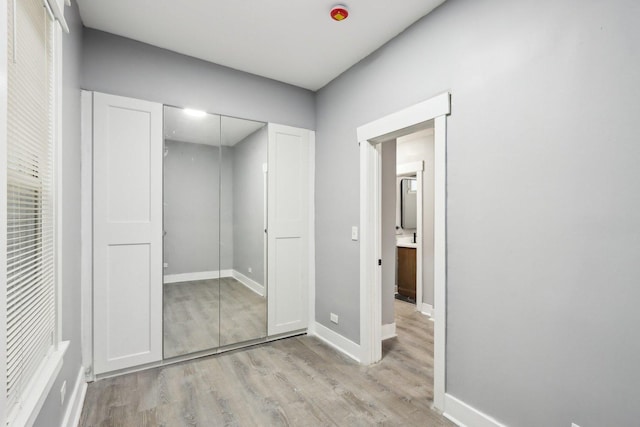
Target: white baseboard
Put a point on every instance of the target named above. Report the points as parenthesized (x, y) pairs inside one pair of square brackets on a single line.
[(207, 275), (199, 275), (389, 331), (427, 309), (466, 416), (336, 341), (76, 401), (311, 329), (249, 283)]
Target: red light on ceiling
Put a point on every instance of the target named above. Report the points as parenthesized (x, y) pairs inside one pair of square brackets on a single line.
[(339, 13)]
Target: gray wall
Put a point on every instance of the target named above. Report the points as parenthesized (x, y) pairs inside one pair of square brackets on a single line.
[(226, 208), (52, 412), (121, 66), (248, 205), (197, 214), (543, 195), (388, 224)]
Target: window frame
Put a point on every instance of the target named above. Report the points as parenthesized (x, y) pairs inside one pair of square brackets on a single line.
[(34, 396)]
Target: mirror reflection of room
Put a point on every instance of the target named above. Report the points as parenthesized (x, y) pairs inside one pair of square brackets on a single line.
[(408, 207), (243, 304), (191, 299), (213, 231)]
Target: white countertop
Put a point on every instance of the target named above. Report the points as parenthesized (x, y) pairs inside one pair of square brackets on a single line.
[(406, 245)]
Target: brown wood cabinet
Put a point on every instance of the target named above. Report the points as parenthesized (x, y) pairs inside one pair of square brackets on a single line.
[(407, 272)]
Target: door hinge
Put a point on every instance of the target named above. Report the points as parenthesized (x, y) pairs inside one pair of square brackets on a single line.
[(379, 262)]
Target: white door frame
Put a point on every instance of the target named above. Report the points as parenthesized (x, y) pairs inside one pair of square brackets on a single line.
[(86, 233), (369, 135)]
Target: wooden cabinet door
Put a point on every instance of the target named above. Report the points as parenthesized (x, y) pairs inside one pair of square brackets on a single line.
[(407, 272)]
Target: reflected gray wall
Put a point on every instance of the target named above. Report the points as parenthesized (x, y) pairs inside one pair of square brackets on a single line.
[(226, 209), (542, 200), (52, 411), (192, 218), (248, 200), (122, 66)]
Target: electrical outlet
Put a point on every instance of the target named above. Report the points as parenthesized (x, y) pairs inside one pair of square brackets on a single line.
[(63, 391), (165, 264), (250, 269), (334, 318)]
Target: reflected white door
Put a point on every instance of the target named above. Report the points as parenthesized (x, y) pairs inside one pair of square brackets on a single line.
[(127, 232), (288, 230)]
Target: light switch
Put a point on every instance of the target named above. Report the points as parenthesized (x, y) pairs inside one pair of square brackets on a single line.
[(354, 232)]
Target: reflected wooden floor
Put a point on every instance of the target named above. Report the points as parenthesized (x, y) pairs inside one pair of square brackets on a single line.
[(292, 382), (243, 313), (199, 316)]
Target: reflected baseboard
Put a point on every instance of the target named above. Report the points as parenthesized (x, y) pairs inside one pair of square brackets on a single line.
[(198, 275), (207, 275), (249, 283)]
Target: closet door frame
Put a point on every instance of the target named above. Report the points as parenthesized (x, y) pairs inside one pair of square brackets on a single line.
[(86, 233)]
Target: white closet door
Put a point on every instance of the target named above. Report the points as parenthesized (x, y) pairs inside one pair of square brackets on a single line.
[(127, 232), (288, 229)]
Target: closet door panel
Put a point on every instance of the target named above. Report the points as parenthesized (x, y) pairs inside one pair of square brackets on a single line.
[(127, 291), (127, 227), (289, 296), (288, 229)]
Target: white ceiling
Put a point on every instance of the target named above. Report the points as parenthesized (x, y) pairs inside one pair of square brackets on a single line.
[(208, 129), (235, 130), (291, 41)]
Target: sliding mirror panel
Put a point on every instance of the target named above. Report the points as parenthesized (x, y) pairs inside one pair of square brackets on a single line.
[(193, 166), (243, 303)]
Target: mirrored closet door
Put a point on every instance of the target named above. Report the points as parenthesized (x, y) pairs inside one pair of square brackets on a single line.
[(214, 231), (191, 204), (183, 223), (243, 298)]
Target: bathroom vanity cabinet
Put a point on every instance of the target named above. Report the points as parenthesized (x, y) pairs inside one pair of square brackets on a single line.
[(407, 272)]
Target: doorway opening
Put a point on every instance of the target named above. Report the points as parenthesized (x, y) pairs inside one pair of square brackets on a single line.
[(413, 198), (371, 138), (407, 238)]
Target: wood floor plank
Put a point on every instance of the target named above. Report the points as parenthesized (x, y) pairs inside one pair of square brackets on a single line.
[(298, 381)]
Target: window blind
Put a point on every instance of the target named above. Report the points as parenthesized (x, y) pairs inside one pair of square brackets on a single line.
[(31, 297)]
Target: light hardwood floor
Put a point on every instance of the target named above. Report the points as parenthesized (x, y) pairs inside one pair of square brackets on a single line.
[(199, 315), (243, 313), (291, 382)]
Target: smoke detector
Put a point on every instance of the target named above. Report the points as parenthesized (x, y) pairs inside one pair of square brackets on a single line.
[(339, 13)]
